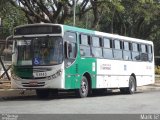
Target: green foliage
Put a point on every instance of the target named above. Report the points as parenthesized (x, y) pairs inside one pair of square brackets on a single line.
[(137, 18), (11, 17), (133, 18)]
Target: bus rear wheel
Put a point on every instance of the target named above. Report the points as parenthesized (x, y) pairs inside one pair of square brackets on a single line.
[(42, 93), (82, 92), (132, 87)]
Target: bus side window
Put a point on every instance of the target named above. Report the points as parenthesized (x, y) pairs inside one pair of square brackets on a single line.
[(84, 42), (107, 48), (144, 55), (126, 50), (117, 51), (135, 52), (70, 45), (150, 53), (96, 47)]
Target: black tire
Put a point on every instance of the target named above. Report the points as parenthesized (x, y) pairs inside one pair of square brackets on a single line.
[(54, 93), (123, 90), (42, 93), (102, 91), (132, 85), (82, 92)]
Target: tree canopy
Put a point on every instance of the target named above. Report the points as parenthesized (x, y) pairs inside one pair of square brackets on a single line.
[(10, 16), (133, 18)]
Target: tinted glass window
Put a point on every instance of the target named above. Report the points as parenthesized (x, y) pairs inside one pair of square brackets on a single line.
[(72, 49), (135, 47), (107, 43), (143, 48), (149, 49), (144, 56), (85, 51), (127, 55), (107, 53), (117, 44), (126, 46), (47, 51), (70, 36), (96, 41), (96, 52), (150, 55), (135, 56), (84, 39), (117, 54)]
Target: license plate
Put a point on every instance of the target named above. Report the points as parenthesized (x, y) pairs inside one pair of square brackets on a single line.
[(33, 83)]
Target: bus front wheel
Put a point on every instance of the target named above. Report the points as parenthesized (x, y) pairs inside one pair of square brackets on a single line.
[(84, 88)]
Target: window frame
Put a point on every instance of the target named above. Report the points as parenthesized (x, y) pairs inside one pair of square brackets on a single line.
[(100, 46), (112, 47), (71, 42), (150, 53), (137, 51), (84, 45), (107, 48), (129, 50), (117, 49)]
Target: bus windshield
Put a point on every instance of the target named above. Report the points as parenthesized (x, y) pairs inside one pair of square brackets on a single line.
[(39, 51)]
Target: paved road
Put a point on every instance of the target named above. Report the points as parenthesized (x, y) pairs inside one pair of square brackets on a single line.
[(141, 102)]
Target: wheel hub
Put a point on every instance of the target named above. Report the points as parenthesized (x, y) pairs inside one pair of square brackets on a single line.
[(84, 87)]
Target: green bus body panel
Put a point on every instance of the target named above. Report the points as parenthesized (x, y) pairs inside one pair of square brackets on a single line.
[(23, 72), (76, 29), (75, 72)]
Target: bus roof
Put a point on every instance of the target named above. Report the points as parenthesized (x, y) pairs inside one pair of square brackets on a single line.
[(103, 34), (92, 32)]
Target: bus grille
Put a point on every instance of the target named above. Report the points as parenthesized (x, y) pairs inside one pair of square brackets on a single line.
[(33, 84)]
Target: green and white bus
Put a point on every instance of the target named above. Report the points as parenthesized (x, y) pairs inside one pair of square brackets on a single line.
[(51, 57)]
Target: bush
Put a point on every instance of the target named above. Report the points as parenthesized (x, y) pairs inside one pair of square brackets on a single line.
[(157, 70)]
